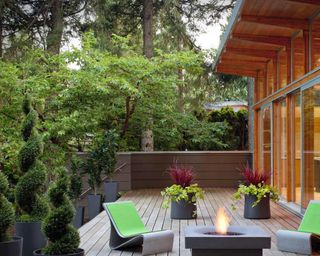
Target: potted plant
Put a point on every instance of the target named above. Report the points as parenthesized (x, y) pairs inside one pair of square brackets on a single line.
[(182, 194), (94, 181), (105, 155), (257, 194), (63, 238), (29, 192), (76, 189), (8, 245)]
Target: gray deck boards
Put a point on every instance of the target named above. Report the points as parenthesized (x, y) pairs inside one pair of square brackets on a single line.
[(95, 234)]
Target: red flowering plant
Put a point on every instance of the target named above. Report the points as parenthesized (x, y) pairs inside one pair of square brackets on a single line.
[(183, 187), (255, 183)]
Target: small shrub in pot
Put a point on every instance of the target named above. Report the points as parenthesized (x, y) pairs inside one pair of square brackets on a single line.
[(183, 194), (30, 190), (257, 194), (76, 189), (8, 245), (63, 238)]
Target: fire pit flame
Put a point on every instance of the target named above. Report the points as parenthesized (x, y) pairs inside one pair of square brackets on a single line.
[(222, 222)]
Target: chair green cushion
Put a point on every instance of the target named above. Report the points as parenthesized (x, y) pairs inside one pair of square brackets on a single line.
[(126, 218), (311, 219)]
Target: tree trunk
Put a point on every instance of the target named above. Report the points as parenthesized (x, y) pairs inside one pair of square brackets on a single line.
[(147, 134), (54, 38), (1, 28), (147, 28), (181, 84)]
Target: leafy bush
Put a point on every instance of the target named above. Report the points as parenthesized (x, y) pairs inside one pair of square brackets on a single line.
[(6, 210), (30, 188), (260, 191), (63, 237), (238, 123), (177, 192), (101, 159), (182, 189), (255, 184)]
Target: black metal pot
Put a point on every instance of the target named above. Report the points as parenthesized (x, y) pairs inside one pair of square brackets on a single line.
[(33, 238), (94, 205), (80, 252), (260, 211), (111, 189), (12, 247), (183, 210), (78, 217)]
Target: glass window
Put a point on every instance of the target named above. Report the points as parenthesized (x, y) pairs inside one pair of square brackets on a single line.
[(297, 147), (266, 140), (311, 145), (283, 176)]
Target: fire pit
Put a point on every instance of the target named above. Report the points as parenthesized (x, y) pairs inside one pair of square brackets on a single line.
[(221, 240)]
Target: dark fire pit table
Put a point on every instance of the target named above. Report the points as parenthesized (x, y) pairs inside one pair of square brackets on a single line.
[(240, 241)]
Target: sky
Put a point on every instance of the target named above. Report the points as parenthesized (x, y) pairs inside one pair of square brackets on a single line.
[(210, 38)]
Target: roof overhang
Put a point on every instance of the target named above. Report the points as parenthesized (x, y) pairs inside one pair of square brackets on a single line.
[(258, 30)]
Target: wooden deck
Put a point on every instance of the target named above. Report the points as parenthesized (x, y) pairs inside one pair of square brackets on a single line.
[(95, 234)]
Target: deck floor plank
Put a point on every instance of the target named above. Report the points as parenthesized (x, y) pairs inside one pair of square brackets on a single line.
[(95, 234)]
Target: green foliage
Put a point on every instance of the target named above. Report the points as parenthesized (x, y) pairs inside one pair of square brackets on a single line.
[(118, 89), (6, 210), (105, 151), (75, 178), (260, 191), (102, 159), (177, 192), (63, 237), (238, 122), (30, 187)]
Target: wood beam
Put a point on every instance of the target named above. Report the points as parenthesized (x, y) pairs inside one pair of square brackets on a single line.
[(237, 72), (277, 21), (252, 52), (314, 2), (276, 40), (254, 64), (250, 60)]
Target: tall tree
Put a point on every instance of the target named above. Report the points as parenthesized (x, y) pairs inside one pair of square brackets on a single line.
[(43, 22), (147, 133)]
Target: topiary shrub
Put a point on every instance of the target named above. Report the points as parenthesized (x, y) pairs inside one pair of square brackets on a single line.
[(6, 210), (63, 237), (29, 190)]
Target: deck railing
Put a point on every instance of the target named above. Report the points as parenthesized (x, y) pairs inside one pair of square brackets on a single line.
[(88, 190)]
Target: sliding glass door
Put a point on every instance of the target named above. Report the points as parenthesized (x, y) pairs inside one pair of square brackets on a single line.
[(265, 138), (311, 144)]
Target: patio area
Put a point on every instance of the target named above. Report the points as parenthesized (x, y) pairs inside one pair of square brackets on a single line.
[(95, 234)]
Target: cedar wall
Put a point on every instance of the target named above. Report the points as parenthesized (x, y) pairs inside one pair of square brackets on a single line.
[(212, 169)]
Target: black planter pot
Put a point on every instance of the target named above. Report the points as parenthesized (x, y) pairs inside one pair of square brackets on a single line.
[(111, 190), (183, 210), (12, 247), (33, 238), (94, 205), (80, 252), (260, 211), (78, 217)]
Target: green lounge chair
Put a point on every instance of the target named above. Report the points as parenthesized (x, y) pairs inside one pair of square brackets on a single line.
[(306, 237), (127, 230)]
